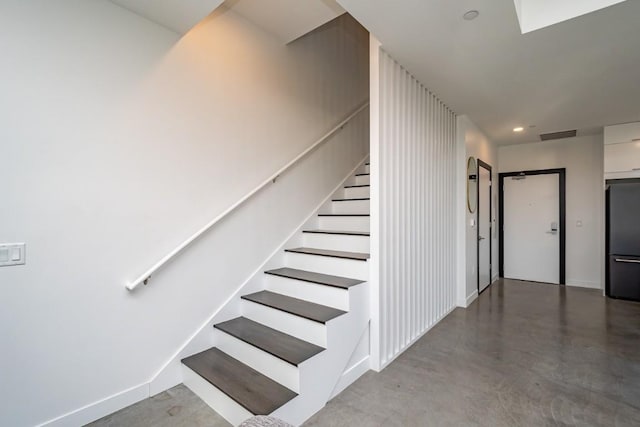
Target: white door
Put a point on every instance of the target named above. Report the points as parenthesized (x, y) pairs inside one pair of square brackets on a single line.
[(484, 228), (532, 228)]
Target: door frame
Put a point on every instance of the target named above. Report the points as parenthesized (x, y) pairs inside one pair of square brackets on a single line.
[(562, 180), (488, 167)]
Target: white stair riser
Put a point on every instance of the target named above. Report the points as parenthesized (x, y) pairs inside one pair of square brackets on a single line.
[(344, 223), (329, 265), (263, 362), (350, 206), (363, 179), (318, 375), (337, 242), (350, 193), (296, 326), (212, 396), (367, 169), (313, 292)]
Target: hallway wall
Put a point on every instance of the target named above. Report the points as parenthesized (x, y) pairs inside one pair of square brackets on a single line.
[(584, 160), (472, 142), (118, 142)]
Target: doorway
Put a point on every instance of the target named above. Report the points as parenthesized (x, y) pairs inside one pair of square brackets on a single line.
[(532, 225), (484, 230)]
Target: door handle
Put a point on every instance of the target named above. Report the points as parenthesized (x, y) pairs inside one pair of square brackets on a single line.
[(480, 238), (630, 261)]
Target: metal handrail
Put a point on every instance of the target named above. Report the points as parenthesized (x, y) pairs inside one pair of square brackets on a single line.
[(144, 278)]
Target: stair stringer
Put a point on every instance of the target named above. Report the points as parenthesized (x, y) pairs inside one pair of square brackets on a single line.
[(320, 375), (171, 372)]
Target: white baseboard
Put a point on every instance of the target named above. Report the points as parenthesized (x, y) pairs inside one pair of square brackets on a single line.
[(351, 375), (584, 284), (471, 298), (101, 408)]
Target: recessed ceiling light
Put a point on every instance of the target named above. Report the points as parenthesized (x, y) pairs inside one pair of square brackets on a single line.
[(518, 129), (470, 15)]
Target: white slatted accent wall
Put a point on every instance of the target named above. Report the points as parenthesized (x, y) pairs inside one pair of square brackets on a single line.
[(413, 168)]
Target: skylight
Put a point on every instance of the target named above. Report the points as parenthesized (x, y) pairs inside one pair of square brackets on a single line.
[(536, 14)]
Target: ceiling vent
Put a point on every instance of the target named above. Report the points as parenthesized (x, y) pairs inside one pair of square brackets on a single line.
[(558, 135)]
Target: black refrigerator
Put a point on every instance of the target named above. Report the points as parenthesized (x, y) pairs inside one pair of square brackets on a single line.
[(623, 239)]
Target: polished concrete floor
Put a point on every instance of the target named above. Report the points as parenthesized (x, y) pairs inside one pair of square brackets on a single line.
[(523, 354)]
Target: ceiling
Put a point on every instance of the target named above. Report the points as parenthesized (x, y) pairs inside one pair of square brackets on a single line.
[(583, 73), (287, 19), (177, 15)]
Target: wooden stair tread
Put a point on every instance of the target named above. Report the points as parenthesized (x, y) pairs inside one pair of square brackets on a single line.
[(359, 256), (297, 307), (346, 233), (351, 199), (358, 185), (285, 347), (249, 388), (312, 277), (362, 174)]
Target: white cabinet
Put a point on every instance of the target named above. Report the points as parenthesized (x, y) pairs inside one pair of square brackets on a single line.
[(618, 134), (622, 157), (622, 151)]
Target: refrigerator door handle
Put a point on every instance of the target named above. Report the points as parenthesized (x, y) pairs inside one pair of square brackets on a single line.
[(631, 261)]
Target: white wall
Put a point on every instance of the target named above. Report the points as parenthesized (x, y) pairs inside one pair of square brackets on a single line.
[(583, 159), (118, 143), (472, 142), (413, 208)]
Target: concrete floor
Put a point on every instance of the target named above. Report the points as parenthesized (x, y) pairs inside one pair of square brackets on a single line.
[(523, 354)]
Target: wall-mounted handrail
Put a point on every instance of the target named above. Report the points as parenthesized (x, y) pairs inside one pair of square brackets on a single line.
[(144, 278)]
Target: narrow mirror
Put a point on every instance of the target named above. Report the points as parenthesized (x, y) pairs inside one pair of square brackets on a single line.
[(472, 184)]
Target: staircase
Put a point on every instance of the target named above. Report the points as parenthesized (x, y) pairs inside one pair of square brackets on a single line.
[(298, 342)]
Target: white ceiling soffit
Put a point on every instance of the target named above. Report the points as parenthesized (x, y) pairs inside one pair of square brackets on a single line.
[(536, 14), (177, 15), (287, 19), (579, 74)]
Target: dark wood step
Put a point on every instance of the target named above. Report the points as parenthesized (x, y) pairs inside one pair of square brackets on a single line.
[(308, 310), (344, 233), (349, 200), (290, 349), (362, 174), (312, 277), (333, 214), (366, 164), (356, 186), (249, 388), (334, 254)]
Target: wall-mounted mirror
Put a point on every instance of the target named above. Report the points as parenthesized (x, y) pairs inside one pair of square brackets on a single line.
[(472, 185)]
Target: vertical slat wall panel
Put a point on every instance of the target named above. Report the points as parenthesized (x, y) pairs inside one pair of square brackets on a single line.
[(417, 229)]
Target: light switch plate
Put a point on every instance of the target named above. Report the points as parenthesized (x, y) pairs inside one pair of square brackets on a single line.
[(4, 255), (12, 254)]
